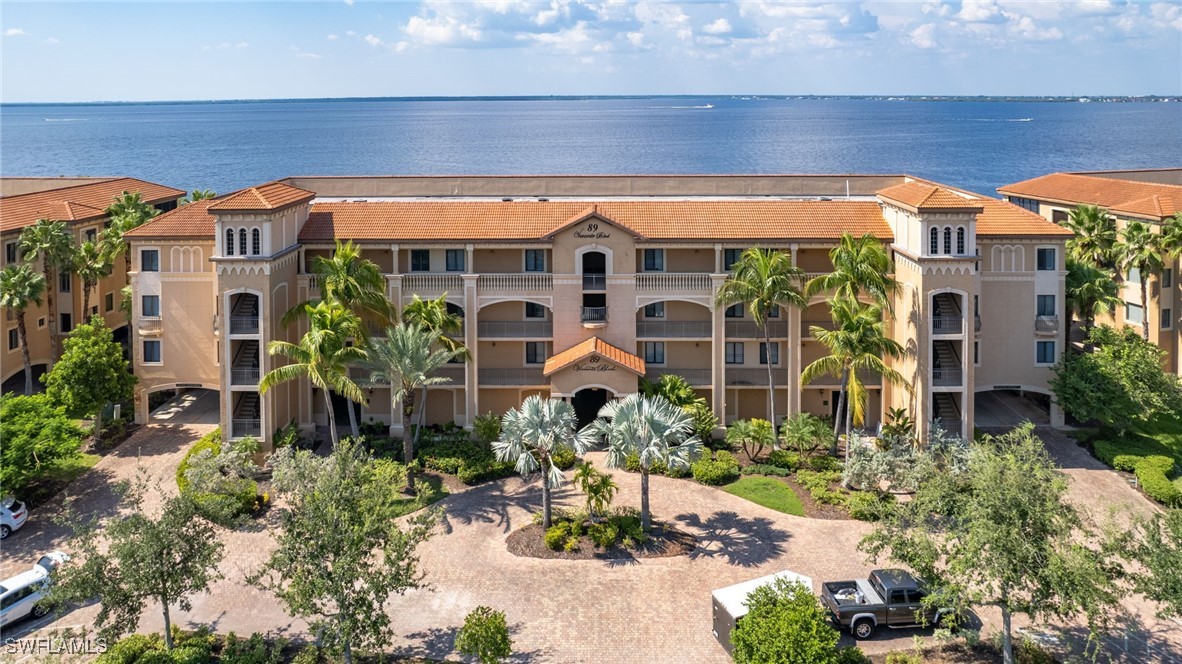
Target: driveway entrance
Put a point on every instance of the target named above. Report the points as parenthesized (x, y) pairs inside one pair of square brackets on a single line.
[(193, 406), (1009, 408)]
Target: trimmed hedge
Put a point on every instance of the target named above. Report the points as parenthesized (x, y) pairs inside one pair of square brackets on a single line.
[(786, 459), (868, 505), (211, 441), (465, 459), (722, 469), (1152, 470), (215, 506)]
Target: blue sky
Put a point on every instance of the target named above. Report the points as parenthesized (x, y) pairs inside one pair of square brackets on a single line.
[(165, 51)]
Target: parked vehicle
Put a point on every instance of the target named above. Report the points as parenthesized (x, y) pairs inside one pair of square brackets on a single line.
[(13, 515), (21, 595), (889, 598)]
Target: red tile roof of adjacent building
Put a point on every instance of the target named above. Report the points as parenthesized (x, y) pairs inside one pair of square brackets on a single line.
[(1156, 207), (924, 196), (265, 197), (1002, 219), (1115, 194), (187, 221), (81, 202), (588, 348)]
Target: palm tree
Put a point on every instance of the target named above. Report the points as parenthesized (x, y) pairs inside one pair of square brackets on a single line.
[(198, 195), (52, 243), (860, 265), (1095, 236), (20, 286), (599, 488), (1140, 250), (433, 316), (653, 429), (673, 387), (355, 282), (323, 356), (858, 343), (764, 280), (127, 212), (91, 263), (1090, 291), (1171, 235), (532, 434), (407, 359)]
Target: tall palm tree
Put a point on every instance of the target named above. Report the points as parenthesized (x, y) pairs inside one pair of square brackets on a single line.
[(355, 282), (1090, 291), (860, 265), (1140, 249), (91, 263), (323, 356), (532, 434), (1095, 236), (198, 195), (858, 343), (19, 287), (1171, 235), (653, 429), (764, 280), (433, 316), (49, 241), (127, 212), (408, 359)]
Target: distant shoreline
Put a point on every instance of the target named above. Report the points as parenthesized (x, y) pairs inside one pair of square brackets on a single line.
[(750, 97)]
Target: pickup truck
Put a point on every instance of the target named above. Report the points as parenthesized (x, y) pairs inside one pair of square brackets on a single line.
[(889, 598)]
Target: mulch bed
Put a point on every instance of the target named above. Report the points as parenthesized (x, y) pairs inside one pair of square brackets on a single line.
[(664, 541)]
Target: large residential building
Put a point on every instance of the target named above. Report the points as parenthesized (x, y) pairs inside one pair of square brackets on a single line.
[(82, 204), (577, 286), (1147, 196)]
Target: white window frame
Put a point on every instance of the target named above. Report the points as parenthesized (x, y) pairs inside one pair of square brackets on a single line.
[(144, 355), (660, 315), (1054, 353), (658, 348), (660, 256)]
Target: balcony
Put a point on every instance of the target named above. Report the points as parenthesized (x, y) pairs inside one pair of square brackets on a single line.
[(755, 377), (868, 378), (673, 329), (594, 281), (489, 377), (453, 372), (244, 428), (244, 376), (151, 325), (432, 284), (594, 316), (1047, 326), (515, 283), (676, 282), (514, 329), (697, 377), (738, 329), (244, 325), (947, 324), (953, 377)]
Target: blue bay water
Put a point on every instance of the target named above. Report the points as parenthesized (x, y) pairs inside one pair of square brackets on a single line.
[(229, 145)]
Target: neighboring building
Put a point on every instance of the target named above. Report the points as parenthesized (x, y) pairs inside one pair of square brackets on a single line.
[(576, 286), (1148, 196), (82, 204)]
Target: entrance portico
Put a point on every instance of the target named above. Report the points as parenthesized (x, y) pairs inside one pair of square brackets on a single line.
[(591, 372)]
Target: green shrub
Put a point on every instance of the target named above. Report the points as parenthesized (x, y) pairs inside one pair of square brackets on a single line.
[(904, 657), (820, 483), (309, 654), (485, 636), (785, 459), (1156, 484), (454, 454), (487, 428), (130, 648), (254, 650), (211, 441), (192, 655), (1029, 652), (155, 657), (556, 535), (868, 505), (1151, 468), (564, 458), (765, 469), (715, 472), (286, 436), (852, 655), (825, 464), (604, 534)]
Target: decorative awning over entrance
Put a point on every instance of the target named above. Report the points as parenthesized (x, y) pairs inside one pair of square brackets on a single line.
[(589, 354)]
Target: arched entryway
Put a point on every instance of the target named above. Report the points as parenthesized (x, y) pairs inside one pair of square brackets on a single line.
[(587, 403)]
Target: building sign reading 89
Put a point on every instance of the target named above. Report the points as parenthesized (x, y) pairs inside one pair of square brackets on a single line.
[(591, 232)]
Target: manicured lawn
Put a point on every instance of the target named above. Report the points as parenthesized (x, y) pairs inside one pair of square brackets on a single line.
[(767, 491), (434, 492)]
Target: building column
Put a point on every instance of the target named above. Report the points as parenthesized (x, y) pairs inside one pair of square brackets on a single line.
[(394, 293), (718, 352), (471, 373)]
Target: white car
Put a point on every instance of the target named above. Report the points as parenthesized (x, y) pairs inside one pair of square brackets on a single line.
[(20, 595), (13, 515)]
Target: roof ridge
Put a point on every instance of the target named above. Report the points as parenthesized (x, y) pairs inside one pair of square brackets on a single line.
[(76, 186)]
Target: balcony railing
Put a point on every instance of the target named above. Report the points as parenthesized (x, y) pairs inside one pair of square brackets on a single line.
[(699, 377), (244, 325), (757, 377), (516, 283), (736, 329), (806, 325), (432, 283), (244, 376), (511, 377), (151, 325), (947, 377), (514, 329), (1046, 325), (947, 324), (868, 378), (663, 282), (243, 428), (593, 281), (594, 315), (951, 426), (453, 372), (679, 329)]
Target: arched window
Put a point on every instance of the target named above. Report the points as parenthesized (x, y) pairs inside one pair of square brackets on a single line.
[(947, 240), (229, 241), (935, 242), (242, 242), (256, 242), (960, 240)]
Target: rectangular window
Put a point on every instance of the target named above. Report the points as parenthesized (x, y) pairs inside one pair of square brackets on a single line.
[(109, 302), (534, 310), (535, 260), (14, 339), (734, 352), (655, 310), (10, 253), (734, 311), (41, 323), (65, 281), (654, 260), (774, 312), (1046, 258), (420, 260), (67, 323), (1059, 216), (1046, 305), (1167, 278), (1134, 276), (151, 351), (730, 257), (1167, 321), (654, 352), (91, 235), (763, 353), (1025, 203), (535, 352), (150, 260), (151, 306), (1045, 352), (976, 352), (455, 260), (1134, 313)]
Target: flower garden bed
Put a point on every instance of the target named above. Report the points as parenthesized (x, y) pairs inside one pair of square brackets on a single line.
[(573, 536)]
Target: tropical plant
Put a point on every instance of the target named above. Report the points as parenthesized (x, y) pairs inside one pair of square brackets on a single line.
[(785, 624), (50, 242), (599, 488), (805, 432), (37, 435), (198, 195), (532, 434), (1095, 237), (407, 359), (323, 356), (752, 435), (355, 283), (1090, 291), (860, 266), (20, 286), (129, 211), (899, 427), (1171, 235), (1140, 249), (858, 343), (434, 316), (91, 373), (651, 428), (675, 389), (485, 636), (91, 264)]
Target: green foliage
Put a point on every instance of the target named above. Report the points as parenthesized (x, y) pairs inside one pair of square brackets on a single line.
[(765, 469), (254, 650), (1156, 543), (825, 464), (899, 429), (852, 655), (785, 624), (1156, 484), (752, 435), (722, 469), (37, 437), (768, 492), (219, 483), (820, 485), (904, 657), (286, 436), (869, 505), (309, 654), (704, 420), (1143, 458), (130, 648), (91, 372), (675, 389), (785, 459), (805, 433), (457, 455), (564, 458), (557, 535), (194, 648), (487, 428), (485, 636), (599, 488)]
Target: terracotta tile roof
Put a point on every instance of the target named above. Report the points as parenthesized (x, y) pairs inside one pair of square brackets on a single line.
[(1073, 189), (1002, 219), (270, 196), (591, 347), (923, 196), (592, 212), (652, 219), (1156, 207), (77, 203), (188, 221)]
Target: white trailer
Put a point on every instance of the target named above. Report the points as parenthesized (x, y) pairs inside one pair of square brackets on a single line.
[(730, 603)]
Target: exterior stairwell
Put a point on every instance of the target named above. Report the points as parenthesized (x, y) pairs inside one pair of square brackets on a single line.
[(245, 368), (947, 316), (946, 365), (944, 409), (246, 416), (244, 316)]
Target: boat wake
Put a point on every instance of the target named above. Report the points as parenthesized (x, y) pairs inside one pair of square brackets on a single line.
[(65, 119)]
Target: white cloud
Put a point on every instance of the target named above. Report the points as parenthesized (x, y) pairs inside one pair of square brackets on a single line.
[(440, 30), (718, 27), (924, 36), (1167, 13), (15, 32), (349, 2), (224, 46), (308, 56), (373, 40), (980, 11), (332, 37), (241, 45), (52, 40), (350, 33)]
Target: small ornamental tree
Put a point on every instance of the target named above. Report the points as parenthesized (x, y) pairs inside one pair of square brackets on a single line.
[(35, 435), (165, 559), (785, 624), (752, 435), (1156, 543), (91, 373), (485, 636)]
